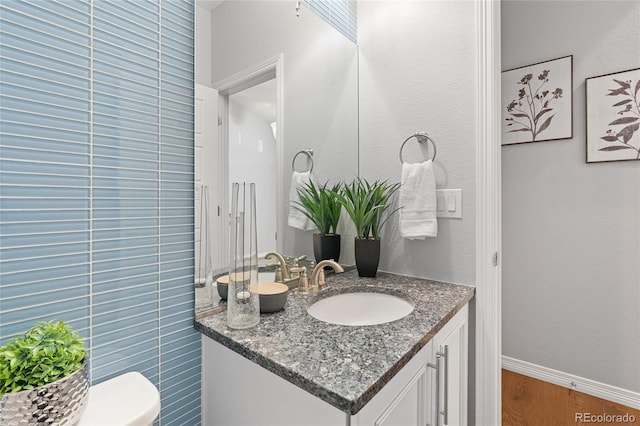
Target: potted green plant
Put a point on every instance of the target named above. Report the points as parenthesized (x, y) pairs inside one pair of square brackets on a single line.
[(43, 376), (320, 204), (367, 205)]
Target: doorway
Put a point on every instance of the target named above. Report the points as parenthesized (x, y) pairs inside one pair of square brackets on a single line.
[(252, 150), (250, 129)]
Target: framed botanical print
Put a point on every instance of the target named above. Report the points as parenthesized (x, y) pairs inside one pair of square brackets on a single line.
[(537, 102), (613, 116)]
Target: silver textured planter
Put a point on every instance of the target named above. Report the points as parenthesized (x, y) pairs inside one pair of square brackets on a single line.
[(55, 404)]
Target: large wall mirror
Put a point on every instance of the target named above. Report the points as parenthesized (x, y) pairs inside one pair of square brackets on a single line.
[(281, 84)]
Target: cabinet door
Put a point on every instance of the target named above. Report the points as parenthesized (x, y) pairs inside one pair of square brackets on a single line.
[(402, 402), (450, 346), (239, 392)]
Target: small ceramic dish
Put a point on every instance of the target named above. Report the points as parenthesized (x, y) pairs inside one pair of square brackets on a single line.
[(222, 284), (273, 296)]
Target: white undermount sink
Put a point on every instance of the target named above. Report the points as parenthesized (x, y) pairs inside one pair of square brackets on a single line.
[(361, 308)]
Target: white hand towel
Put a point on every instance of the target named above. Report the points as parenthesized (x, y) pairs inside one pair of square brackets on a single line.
[(297, 219), (418, 201)]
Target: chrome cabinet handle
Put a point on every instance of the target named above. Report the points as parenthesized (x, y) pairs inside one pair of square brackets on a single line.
[(445, 355), (445, 412), (436, 367)]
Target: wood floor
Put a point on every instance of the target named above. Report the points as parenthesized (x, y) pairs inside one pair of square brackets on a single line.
[(531, 402)]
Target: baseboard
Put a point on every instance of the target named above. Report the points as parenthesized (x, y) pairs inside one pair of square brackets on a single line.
[(570, 381)]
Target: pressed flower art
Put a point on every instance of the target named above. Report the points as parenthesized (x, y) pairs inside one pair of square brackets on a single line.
[(537, 102), (613, 116)]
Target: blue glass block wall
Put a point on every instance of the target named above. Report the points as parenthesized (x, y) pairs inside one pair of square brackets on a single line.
[(96, 185), (340, 14)]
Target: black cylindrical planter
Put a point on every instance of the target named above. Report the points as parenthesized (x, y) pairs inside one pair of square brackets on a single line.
[(326, 246), (367, 256)]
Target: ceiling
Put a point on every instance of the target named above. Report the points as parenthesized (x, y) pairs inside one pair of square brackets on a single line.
[(209, 4), (260, 99)]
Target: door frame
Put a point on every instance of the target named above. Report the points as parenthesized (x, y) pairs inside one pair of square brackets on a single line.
[(488, 299), (263, 71)]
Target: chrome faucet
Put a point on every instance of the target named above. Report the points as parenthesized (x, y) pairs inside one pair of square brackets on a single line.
[(317, 276), (284, 268)]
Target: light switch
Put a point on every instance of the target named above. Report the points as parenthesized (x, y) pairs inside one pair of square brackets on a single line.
[(440, 201), (449, 203)]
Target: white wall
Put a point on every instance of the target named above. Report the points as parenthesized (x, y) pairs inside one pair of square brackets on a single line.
[(252, 158), (417, 64), (571, 230), (203, 46), (319, 84)]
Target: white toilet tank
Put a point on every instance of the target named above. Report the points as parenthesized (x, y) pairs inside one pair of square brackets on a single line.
[(126, 400)]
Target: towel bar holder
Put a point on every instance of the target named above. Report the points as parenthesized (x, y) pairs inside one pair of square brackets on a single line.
[(309, 155), (422, 137)]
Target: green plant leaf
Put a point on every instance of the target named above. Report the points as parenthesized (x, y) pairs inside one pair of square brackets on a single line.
[(320, 205), (45, 353), (366, 202)]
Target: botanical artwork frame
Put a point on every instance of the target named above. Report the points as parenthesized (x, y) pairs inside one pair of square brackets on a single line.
[(537, 102), (613, 116)]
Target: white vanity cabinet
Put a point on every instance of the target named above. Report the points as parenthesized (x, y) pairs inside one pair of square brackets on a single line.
[(450, 348), (436, 377), (404, 400), (237, 391)]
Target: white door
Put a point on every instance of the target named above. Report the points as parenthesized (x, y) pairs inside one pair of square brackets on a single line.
[(208, 251)]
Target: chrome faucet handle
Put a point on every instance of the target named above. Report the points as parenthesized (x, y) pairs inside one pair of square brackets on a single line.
[(303, 281), (317, 276)]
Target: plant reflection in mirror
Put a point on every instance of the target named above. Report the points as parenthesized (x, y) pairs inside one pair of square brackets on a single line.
[(530, 112), (630, 111)]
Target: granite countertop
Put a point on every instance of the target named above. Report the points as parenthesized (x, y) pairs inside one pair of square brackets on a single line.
[(342, 365)]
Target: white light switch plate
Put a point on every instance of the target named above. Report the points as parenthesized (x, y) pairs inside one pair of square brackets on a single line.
[(449, 203)]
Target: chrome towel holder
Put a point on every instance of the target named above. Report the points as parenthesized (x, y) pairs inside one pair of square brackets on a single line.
[(422, 137), (309, 155)]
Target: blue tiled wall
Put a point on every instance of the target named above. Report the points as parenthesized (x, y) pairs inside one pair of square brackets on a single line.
[(96, 185)]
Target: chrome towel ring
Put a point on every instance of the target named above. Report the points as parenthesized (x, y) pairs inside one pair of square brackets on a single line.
[(309, 154), (422, 137)]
